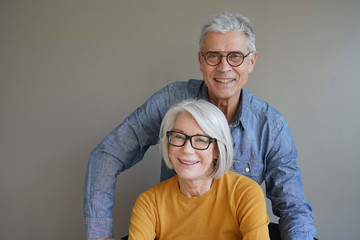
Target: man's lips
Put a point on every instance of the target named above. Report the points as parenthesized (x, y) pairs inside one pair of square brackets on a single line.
[(224, 80), (186, 162)]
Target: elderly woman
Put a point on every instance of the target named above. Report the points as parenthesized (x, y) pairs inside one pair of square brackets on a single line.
[(204, 200)]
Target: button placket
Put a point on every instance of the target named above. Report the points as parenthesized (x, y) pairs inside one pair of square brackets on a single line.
[(247, 169)]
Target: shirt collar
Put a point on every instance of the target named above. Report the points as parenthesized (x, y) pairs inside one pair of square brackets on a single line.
[(203, 92), (242, 114)]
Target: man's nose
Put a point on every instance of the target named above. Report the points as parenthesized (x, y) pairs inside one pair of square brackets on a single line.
[(224, 66)]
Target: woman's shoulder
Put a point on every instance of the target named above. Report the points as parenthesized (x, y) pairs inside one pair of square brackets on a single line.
[(239, 182), (165, 187), (153, 194), (236, 177)]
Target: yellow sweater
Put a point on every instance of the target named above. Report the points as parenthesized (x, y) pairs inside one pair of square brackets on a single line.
[(233, 208)]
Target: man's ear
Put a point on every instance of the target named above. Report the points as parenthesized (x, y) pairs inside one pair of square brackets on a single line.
[(200, 61), (252, 61)]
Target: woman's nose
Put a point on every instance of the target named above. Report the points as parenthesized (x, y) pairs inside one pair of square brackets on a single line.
[(187, 147)]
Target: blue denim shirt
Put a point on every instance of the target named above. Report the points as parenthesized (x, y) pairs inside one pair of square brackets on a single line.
[(263, 150)]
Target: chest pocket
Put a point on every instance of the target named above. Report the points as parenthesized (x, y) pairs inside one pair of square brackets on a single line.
[(253, 169)]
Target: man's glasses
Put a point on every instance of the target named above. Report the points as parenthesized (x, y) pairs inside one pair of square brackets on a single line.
[(199, 142), (234, 59)]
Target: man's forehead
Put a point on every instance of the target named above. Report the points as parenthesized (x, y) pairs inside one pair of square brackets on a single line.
[(231, 41)]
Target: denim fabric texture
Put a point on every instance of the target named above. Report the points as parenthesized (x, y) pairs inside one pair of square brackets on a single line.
[(263, 150)]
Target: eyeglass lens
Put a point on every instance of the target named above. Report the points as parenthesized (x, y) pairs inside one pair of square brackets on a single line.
[(233, 58), (197, 141)]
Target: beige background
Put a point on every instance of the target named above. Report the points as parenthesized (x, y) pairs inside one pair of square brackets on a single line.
[(71, 71)]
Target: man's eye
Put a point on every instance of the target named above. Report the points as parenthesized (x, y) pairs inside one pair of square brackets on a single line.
[(212, 56), (236, 56)]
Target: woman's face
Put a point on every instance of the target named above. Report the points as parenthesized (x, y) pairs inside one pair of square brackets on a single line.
[(189, 163)]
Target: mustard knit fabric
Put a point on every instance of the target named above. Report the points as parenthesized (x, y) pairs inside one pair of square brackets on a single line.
[(233, 208)]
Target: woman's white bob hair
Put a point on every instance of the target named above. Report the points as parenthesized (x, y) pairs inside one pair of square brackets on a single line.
[(212, 121)]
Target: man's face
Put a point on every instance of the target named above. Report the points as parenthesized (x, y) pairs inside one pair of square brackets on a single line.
[(224, 82)]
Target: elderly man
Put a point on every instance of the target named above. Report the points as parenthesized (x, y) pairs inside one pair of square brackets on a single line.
[(263, 146)]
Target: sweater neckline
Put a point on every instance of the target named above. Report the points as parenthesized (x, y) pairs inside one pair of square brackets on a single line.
[(211, 191)]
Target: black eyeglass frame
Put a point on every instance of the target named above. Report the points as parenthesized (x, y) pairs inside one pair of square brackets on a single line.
[(225, 56), (211, 140)]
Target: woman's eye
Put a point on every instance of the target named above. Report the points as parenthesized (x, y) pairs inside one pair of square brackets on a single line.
[(201, 140), (179, 137)]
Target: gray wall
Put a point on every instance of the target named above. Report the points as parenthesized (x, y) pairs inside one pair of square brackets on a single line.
[(71, 71)]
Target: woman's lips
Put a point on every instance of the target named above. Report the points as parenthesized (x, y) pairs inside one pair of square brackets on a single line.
[(188, 162)]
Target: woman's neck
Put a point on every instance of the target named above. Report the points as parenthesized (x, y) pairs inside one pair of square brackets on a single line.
[(194, 188)]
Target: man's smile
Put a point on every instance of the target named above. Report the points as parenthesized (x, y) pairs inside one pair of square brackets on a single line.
[(224, 80)]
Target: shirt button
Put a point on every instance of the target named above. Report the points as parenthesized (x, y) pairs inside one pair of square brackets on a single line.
[(247, 169)]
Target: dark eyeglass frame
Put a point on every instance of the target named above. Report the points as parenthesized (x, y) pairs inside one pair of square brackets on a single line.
[(211, 140), (225, 56)]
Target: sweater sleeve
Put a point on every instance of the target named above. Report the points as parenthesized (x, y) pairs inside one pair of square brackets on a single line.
[(251, 213), (143, 217)]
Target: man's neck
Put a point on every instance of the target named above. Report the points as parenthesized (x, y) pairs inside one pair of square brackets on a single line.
[(227, 106)]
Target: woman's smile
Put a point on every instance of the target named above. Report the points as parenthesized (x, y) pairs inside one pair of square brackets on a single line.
[(187, 162)]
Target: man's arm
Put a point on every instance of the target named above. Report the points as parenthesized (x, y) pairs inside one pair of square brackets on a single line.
[(284, 188), (120, 150)]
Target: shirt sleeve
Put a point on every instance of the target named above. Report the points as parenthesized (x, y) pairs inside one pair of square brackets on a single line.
[(121, 149), (251, 212), (284, 188), (143, 217)]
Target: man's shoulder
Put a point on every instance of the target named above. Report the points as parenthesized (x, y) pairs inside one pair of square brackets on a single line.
[(263, 109), (175, 92), (182, 90), (190, 84)]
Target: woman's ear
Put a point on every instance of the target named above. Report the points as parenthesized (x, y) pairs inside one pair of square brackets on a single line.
[(216, 152)]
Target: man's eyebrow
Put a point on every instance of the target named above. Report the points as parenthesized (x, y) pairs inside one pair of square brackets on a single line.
[(236, 51)]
